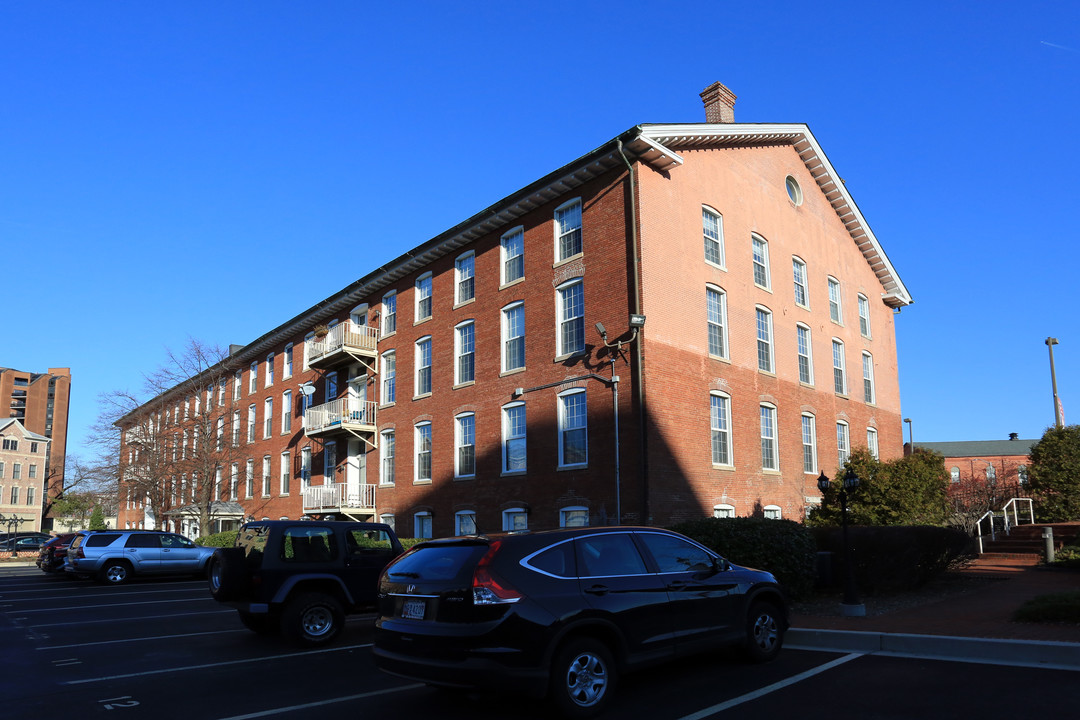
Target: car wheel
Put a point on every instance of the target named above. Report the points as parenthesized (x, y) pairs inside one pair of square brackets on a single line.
[(261, 624), (227, 575), (764, 632), (115, 572), (583, 678), (312, 619)]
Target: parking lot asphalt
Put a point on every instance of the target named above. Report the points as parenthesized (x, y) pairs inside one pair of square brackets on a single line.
[(164, 649)]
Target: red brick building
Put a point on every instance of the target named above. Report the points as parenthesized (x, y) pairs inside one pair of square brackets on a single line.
[(987, 462), (748, 317)]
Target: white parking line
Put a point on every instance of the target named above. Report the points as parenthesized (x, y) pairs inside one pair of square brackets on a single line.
[(138, 639), (320, 703), (145, 617), (761, 692), (262, 658), (112, 605)]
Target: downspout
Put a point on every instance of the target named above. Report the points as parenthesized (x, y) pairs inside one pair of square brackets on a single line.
[(638, 355)]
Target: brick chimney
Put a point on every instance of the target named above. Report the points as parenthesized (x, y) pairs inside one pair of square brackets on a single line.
[(1014, 436), (719, 104)]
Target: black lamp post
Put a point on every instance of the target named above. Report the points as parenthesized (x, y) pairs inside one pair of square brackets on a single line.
[(851, 605)]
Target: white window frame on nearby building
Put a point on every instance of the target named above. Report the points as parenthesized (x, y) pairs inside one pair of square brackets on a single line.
[(512, 255), (574, 516), (305, 467), (772, 512), (268, 417), (388, 372), (798, 271), (864, 316), (287, 362), (308, 340), (763, 320), (872, 442), (836, 307), (465, 278), (388, 321), (219, 434), (465, 353), (573, 428), (712, 229), (723, 510), (513, 337), (422, 384), (465, 522), (422, 525), (465, 445), (268, 376), (424, 305), (568, 233), (720, 427), (716, 319), (839, 367), (570, 326), (422, 468), (266, 475), (869, 388), (514, 447), (808, 428), (843, 443), (253, 378), (804, 348), (387, 452), (249, 479), (286, 473), (387, 519), (234, 481), (238, 383), (954, 474), (759, 253), (515, 519), (286, 412), (250, 425), (330, 463), (770, 454)]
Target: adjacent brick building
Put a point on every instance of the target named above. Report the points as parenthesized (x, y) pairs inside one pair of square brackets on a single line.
[(24, 456), (747, 311)]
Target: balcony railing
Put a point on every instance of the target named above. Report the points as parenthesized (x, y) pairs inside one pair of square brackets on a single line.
[(339, 497), (342, 415), (344, 343)]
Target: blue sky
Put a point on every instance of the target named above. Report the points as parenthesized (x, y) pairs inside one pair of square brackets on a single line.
[(210, 169)]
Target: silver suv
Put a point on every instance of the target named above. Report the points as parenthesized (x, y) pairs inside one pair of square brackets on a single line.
[(114, 556)]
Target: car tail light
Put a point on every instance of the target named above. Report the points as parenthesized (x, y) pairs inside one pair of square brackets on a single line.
[(488, 587)]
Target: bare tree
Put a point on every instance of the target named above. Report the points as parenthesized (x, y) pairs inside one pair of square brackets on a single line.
[(971, 498)]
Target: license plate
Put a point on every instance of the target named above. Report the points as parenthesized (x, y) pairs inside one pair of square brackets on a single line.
[(413, 609)]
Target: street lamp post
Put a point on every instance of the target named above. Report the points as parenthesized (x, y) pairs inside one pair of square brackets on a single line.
[(910, 437), (851, 606), (1050, 343)]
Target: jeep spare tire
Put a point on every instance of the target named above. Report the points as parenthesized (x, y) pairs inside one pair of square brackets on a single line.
[(228, 575)]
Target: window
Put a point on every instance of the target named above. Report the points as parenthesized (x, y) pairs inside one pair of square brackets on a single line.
[(769, 460), (1021, 474), (869, 396), (220, 399), (465, 353), (871, 442), (573, 432), (568, 230), (389, 377), (712, 227), (309, 340), (809, 443), (219, 433), (238, 379), (269, 377), (386, 457), (423, 297), (571, 316), (720, 422), (954, 474), (465, 446), (835, 311), (513, 256), (305, 468), (423, 366), (515, 520), (11, 444), (843, 443), (764, 340), (513, 332), (329, 463), (266, 476), (32, 474), (513, 438), (423, 452), (250, 424), (422, 524), (798, 268), (465, 522), (760, 254), (30, 495), (287, 362), (15, 492), (268, 417), (217, 483), (772, 512), (253, 378), (464, 272), (249, 479), (1, 472), (574, 517), (209, 399), (716, 311), (723, 510), (234, 481), (286, 412), (804, 350), (197, 404), (331, 386), (235, 429), (839, 377), (387, 519), (864, 316), (389, 314), (991, 473)]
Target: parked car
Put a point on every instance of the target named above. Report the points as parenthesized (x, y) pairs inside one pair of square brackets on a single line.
[(302, 577), (114, 556), (23, 542), (564, 613), (51, 555)]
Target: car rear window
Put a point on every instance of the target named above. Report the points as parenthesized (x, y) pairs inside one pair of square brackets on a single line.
[(305, 544), (438, 563), (100, 539), (557, 560)]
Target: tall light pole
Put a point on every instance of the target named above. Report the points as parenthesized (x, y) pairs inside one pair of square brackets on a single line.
[(1050, 343), (910, 437), (636, 323)]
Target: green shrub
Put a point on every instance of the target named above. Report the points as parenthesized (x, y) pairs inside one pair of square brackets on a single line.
[(1058, 607), (409, 542), (896, 558), (783, 547), (221, 539), (1068, 556)]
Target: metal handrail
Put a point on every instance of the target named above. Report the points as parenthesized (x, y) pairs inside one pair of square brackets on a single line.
[(1007, 525), (978, 529), (1015, 502)]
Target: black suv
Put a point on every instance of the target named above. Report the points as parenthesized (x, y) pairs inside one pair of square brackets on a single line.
[(564, 612), (302, 577)]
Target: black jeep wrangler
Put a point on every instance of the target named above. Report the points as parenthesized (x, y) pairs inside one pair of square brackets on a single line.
[(302, 577)]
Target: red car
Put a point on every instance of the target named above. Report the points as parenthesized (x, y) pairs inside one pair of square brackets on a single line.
[(51, 555)]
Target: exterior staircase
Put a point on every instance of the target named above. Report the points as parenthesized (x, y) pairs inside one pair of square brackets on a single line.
[(1024, 545)]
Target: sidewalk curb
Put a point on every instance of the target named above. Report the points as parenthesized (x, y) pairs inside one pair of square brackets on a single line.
[(1033, 653)]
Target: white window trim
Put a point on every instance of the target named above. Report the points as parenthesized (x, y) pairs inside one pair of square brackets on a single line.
[(384, 446), (773, 512), (457, 521), (417, 297), (863, 302), (418, 367), (813, 442), (705, 209), (559, 233), (872, 444), (458, 353), (832, 282), (868, 367), (285, 477), (723, 510), (508, 513), (564, 511), (562, 352), (711, 288), (458, 262), (505, 335), (844, 435), (385, 317), (770, 341), (287, 360), (458, 445), (503, 257), (809, 352), (767, 264), (798, 261), (268, 376), (506, 437), (726, 405), (386, 376), (416, 453), (562, 427), (418, 519), (774, 439), (842, 367)]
